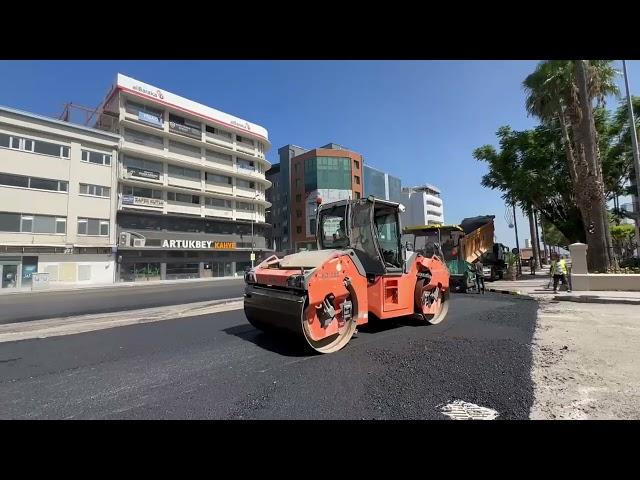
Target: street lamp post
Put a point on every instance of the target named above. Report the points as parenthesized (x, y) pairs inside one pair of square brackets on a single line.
[(636, 163)]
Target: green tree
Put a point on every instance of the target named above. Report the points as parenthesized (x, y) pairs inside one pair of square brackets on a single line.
[(563, 91), (530, 169)]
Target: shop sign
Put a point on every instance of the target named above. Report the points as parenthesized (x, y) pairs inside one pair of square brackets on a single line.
[(198, 244)]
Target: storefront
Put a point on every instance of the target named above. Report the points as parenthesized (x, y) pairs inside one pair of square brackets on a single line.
[(62, 265)]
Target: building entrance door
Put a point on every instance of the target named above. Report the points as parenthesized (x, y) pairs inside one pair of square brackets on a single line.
[(9, 275)]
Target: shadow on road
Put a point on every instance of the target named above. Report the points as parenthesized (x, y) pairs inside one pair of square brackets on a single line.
[(281, 343)]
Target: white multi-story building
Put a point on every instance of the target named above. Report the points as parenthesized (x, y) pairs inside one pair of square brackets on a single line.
[(191, 194), (423, 206), (57, 201)]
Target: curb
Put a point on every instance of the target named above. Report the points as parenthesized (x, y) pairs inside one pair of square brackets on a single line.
[(590, 299), (506, 292)]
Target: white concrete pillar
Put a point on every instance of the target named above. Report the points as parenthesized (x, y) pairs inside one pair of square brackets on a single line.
[(579, 273), (578, 258)]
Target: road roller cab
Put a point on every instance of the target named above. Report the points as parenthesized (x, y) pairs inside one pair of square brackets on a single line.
[(359, 269)]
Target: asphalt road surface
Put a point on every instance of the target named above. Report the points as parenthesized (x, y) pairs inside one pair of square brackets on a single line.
[(220, 367), (40, 305)]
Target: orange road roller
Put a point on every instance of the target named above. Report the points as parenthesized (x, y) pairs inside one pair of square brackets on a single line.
[(360, 269)]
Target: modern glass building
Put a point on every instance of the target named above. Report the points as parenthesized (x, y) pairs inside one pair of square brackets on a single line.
[(331, 172), (381, 184)]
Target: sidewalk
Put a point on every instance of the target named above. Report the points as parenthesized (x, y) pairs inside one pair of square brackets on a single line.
[(538, 286), (68, 288)]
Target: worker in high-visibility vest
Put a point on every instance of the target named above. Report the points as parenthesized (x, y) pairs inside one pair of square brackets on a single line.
[(559, 272)]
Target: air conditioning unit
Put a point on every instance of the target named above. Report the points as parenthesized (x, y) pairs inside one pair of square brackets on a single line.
[(125, 239), (138, 242)]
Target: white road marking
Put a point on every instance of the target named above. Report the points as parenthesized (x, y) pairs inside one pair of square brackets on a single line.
[(460, 410)]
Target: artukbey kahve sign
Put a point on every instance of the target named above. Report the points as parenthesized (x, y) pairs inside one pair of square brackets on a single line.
[(198, 244)]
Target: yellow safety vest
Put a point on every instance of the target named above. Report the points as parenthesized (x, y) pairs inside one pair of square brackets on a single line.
[(559, 267)]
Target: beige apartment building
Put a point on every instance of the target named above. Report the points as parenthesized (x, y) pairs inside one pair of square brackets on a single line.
[(191, 185), (58, 201)]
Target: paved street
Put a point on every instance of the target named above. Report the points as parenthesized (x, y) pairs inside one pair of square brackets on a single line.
[(35, 306), (218, 366)]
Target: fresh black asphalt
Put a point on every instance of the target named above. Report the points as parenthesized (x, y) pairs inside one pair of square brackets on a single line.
[(219, 367)]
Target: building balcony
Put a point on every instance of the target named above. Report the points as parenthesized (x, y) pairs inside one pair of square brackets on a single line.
[(189, 183), (225, 189), (246, 148), (180, 207), (219, 140), (218, 212)]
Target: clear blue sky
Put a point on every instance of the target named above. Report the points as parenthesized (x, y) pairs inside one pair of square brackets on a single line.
[(418, 120)]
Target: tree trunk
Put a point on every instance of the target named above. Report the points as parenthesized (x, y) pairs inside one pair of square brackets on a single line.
[(591, 198), (535, 222), (532, 230)]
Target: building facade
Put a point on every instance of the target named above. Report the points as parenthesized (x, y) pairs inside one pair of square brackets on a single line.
[(381, 185), (57, 201), (331, 172), (423, 206), (191, 185)]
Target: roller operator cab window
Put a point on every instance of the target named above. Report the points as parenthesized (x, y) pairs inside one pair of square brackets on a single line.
[(386, 229), (333, 232)]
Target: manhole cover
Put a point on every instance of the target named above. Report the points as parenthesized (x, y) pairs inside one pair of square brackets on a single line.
[(460, 410)]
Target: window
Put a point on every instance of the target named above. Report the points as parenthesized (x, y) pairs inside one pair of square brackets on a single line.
[(298, 198), (184, 172), (245, 184), (217, 202), (357, 179), (14, 180), (141, 192), (142, 164), (298, 229), (33, 182), (93, 226), (249, 207), (312, 226), (33, 146), (61, 225), (213, 178), (44, 224), (217, 131), (216, 157), (246, 140), (184, 149), (95, 157), (357, 194), (27, 223), (143, 138), (246, 164), (356, 164), (10, 222), (183, 198), (299, 213), (95, 190), (46, 184)]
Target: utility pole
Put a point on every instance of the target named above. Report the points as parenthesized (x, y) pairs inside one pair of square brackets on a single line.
[(636, 160)]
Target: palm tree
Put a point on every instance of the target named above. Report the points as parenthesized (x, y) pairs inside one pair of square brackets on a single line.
[(563, 91)]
